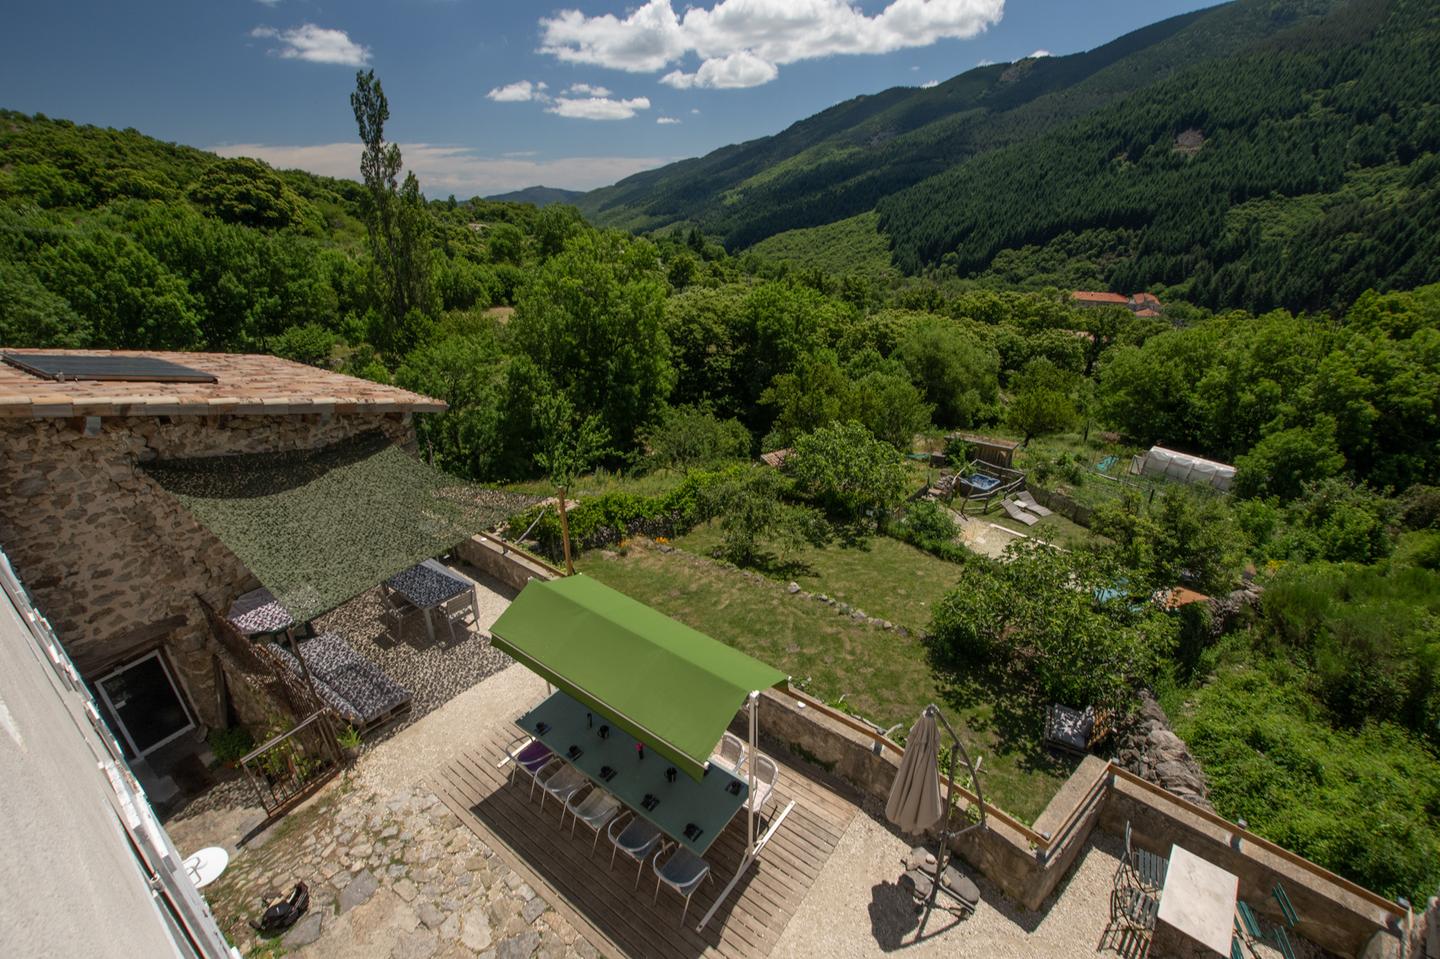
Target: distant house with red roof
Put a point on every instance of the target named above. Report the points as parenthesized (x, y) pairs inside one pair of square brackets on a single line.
[(1141, 304)]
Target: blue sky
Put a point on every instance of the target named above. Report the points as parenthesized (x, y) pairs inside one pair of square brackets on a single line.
[(625, 86)]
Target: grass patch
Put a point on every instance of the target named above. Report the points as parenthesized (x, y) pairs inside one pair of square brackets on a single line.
[(882, 576), (881, 675)]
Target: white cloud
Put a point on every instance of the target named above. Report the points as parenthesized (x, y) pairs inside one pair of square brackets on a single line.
[(929, 83), (452, 169), (1038, 54), (742, 43), (315, 44), (521, 91), (666, 121), (586, 90), (597, 108), (738, 70), (269, 3), (985, 63), (695, 110), (914, 69)]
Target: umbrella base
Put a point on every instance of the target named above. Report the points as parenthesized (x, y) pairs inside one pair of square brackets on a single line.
[(920, 878)]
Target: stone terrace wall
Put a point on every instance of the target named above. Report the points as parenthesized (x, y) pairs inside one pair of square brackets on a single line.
[(114, 560)]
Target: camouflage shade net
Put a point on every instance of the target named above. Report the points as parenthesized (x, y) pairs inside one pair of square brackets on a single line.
[(318, 527)]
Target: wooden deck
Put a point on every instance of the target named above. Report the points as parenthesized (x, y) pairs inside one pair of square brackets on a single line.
[(603, 904)]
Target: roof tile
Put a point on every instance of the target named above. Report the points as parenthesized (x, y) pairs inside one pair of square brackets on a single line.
[(246, 383)]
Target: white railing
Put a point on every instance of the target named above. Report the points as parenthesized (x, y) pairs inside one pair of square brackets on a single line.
[(176, 900)]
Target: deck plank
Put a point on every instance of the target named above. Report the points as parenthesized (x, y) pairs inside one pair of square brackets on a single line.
[(602, 903)]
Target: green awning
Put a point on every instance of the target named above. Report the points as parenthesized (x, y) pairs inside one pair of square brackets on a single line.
[(671, 687), (318, 527)]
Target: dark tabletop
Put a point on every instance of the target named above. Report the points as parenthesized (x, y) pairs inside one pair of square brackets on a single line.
[(427, 585), (706, 802)]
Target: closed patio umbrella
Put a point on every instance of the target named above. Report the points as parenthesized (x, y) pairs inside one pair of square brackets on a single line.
[(914, 804)]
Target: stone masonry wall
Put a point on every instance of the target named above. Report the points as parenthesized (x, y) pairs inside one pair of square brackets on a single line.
[(115, 561)]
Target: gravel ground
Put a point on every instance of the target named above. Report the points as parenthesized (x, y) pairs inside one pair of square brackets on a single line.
[(434, 671), (856, 909)]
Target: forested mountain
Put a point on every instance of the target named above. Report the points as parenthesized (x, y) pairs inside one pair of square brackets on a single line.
[(538, 195), (1261, 153)]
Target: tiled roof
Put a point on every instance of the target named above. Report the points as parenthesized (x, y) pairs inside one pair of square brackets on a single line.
[(1146, 299), (1146, 312), (245, 383), (1086, 296)]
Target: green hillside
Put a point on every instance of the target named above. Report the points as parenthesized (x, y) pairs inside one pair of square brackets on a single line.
[(843, 160), (1262, 153), (538, 195)]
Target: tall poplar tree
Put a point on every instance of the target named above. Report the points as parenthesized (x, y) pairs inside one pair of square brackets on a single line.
[(395, 219)]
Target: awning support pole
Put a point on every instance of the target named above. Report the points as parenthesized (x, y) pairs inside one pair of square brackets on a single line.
[(752, 848)]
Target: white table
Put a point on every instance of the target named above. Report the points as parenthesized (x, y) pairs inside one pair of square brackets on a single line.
[(206, 865), (1197, 908)]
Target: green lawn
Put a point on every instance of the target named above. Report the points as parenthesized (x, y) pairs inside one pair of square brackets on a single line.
[(881, 675), (882, 576)]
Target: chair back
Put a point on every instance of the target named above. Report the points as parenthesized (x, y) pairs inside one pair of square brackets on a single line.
[(683, 868), (459, 605), (765, 770), (731, 751), (639, 835)]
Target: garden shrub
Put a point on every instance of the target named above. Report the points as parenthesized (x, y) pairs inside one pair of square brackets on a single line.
[(1363, 802), (609, 518)]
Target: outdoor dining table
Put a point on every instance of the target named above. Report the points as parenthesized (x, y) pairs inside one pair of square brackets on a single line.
[(707, 803), (259, 613), (1197, 908), (427, 586)]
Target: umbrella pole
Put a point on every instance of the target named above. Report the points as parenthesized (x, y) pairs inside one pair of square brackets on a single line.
[(944, 845)]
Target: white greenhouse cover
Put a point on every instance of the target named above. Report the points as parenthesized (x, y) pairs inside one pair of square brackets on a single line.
[(1185, 468)]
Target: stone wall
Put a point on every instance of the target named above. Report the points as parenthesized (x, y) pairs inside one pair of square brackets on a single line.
[(114, 560), (1149, 748), (505, 563)]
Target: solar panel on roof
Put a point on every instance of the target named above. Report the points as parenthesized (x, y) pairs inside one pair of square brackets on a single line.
[(74, 366)]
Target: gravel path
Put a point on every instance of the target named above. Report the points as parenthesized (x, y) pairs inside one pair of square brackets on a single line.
[(856, 909)]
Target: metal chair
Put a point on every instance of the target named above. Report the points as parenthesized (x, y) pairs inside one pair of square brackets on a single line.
[(683, 871), (637, 841), (562, 783), (1134, 907), (460, 609), (394, 609), (1145, 868), (730, 753), (766, 775), (531, 757), (595, 811)]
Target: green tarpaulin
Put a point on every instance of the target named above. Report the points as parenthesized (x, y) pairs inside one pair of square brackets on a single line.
[(318, 527), (671, 687)]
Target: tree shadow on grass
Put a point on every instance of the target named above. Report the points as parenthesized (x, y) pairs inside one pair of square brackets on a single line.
[(1017, 712)]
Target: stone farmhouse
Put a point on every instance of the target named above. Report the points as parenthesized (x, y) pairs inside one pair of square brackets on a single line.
[(119, 566)]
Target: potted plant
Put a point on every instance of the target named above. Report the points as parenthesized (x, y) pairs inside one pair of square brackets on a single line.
[(349, 740)]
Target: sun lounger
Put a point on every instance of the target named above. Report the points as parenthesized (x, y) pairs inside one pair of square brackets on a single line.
[(1018, 512), (349, 683), (1026, 500)]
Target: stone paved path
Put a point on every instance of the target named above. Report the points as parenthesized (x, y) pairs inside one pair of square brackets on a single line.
[(390, 875)]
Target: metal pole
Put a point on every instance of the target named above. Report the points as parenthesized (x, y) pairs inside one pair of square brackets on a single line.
[(750, 796)]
